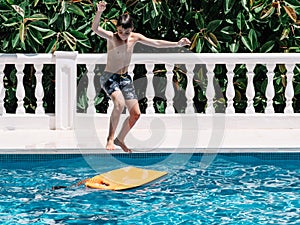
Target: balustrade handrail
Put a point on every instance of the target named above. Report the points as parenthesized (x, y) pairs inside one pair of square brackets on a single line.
[(205, 58), (216, 58)]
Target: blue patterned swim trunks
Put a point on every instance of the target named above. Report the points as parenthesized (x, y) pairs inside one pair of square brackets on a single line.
[(111, 82)]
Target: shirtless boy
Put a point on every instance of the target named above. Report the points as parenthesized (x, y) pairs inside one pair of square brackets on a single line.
[(115, 80)]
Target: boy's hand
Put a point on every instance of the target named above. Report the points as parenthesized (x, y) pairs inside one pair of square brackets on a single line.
[(183, 42), (101, 6)]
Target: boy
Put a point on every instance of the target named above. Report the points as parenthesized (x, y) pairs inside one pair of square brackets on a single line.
[(115, 80)]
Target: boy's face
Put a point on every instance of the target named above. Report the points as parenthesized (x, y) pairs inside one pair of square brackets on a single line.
[(123, 33)]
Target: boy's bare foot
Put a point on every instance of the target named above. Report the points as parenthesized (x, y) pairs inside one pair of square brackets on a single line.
[(110, 144), (122, 145)]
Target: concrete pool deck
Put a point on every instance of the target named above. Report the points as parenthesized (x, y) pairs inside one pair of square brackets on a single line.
[(20, 141)]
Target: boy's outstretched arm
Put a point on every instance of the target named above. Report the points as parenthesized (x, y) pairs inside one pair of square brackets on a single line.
[(101, 6), (162, 43)]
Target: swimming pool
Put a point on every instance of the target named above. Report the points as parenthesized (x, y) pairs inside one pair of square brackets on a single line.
[(235, 188)]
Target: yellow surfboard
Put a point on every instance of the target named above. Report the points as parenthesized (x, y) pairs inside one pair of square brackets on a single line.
[(123, 178)]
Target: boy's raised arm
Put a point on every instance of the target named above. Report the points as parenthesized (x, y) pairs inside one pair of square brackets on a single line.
[(162, 43), (101, 6)]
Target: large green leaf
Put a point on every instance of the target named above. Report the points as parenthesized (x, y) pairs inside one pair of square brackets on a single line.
[(38, 16), (15, 39), (199, 45), (297, 89), (76, 10), (268, 46), (213, 25), (40, 26), (155, 12), (199, 20), (32, 44), (51, 33), (36, 2), (253, 39), (19, 10), (228, 5), (293, 2), (247, 43), (50, 2), (36, 36), (122, 5), (86, 43), (229, 30), (22, 32), (78, 35), (234, 47), (52, 46), (11, 22), (112, 13), (53, 19), (240, 21), (67, 20)]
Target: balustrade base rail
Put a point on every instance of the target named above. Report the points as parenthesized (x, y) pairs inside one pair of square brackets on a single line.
[(158, 121), (195, 121)]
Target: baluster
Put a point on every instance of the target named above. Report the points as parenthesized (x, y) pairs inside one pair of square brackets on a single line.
[(289, 91), (230, 92), (20, 92), (190, 92), (210, 91), (270, 93), (131, 74), (130, 70), (170, 89), (90, 92), (2, 90), (39, 91), (150, 94), (110, 107), (250, 91)]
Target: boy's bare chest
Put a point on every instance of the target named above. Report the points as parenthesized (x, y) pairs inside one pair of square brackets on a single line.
[(121, 49)]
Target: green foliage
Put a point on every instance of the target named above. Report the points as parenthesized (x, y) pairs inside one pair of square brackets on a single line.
[(45, 26)]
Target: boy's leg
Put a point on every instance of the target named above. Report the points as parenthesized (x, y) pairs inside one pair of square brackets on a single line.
[(134, 114), (119, 104)]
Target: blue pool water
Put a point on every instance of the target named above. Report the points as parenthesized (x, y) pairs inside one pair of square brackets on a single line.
[(226, 189)]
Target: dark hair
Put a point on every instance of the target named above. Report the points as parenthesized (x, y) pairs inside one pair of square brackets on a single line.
[(125, 21)]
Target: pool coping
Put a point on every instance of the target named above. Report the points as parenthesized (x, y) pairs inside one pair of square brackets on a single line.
[(230, 140), (150, 151)]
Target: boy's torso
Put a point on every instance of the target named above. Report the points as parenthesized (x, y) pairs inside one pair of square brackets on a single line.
[(119, 54)]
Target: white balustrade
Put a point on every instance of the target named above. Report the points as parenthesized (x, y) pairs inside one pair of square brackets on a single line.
[(250, 91), (20, 92), (210, 90), (170, 89), (131, 74), (289, 90), (150, 93), (230, 92), (39, 91), (65, 90), (2, 90), (91, 93), (190, 92), (270, 93), (130, 70)]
